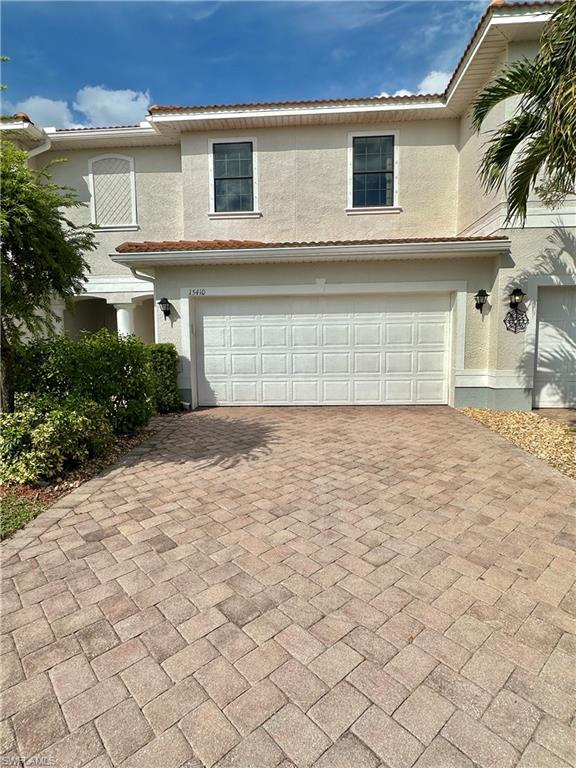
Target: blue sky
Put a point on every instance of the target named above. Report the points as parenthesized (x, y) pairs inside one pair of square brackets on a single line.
[(101, 63)]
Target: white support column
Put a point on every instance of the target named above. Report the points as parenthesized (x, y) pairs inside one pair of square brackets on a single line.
[(124, 319), (58, 307)]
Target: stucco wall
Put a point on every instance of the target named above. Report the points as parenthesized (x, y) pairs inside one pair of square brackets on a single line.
[(158, 195), (538, 257), (302, 174)]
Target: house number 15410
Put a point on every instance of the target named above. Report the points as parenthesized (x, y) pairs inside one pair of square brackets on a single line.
[(197, 291)]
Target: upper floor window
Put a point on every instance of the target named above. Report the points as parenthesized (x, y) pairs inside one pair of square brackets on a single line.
[(373, 167), (233, 175), (113, 191)]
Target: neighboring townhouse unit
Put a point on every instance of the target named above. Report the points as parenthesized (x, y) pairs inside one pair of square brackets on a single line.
[(328, 252)]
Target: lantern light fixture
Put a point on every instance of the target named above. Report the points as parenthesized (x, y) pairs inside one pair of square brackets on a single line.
[(481, 298), (516, 297), (165, 306)]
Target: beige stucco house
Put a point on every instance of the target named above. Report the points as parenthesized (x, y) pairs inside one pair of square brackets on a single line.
[(328, 252)]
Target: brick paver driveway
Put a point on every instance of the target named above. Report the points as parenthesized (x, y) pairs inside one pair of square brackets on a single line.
[(339, 588)]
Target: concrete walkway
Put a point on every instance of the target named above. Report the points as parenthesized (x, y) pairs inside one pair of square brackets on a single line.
[(328, 587)]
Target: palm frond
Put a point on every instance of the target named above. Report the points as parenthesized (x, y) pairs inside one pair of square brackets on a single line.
[(502, 145), (515, 80), (535, 149), (523, 177)]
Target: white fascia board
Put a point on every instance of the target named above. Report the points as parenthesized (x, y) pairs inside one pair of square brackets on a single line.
[(315, 253), (523, 18)]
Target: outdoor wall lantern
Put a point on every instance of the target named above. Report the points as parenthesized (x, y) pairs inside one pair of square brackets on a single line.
[(516, 320), (481, 298), (164, 305), (516, 297)]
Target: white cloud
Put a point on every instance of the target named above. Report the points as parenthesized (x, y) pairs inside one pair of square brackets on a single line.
[(98, 106), (434, 82), (43, 111), (401, 92), (102, 106)]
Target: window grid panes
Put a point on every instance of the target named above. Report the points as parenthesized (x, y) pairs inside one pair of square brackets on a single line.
[(373, 171), (233, 177)]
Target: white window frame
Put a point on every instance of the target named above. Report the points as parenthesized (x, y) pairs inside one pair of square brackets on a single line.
[(133, 224), (395, 207), (255, 212)]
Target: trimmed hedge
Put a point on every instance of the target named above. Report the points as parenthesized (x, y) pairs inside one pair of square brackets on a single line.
[(73, 395), (45, 436), (129, 378), (165, 363)]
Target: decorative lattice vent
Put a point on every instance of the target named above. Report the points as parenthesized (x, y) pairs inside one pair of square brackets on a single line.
[(114, 203)]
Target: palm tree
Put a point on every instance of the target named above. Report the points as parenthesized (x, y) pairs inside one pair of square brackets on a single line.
[(536, 147)]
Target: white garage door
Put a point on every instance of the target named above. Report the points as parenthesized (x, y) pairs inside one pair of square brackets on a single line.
[(555, 379), (323, 350)]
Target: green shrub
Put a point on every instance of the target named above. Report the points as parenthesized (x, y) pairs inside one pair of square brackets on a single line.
[(53, 365), (119, 377), (113, 371), (43, 437), (165, 363)]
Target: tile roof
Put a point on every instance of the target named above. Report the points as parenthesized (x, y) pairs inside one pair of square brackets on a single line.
[(94, 128), (226, 245), (420, 97)]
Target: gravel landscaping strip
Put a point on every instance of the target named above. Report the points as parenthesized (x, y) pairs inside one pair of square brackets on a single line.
[(551, 441)]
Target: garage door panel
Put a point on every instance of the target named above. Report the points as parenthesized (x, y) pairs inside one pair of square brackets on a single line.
[(305, 391), (244, 364), (398, 391), (275, 391), (398, 333), (216, 364), (350, 350), (430, 362), (399, 362), (431, 332), (336, 391), (305, 363), (274, 336), (431, 391), (274, 364), (305, 335), (336, 362), (367, 362), (368, 391), (367, 335)]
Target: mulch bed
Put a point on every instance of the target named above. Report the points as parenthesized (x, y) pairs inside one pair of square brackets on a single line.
[(551, 441)]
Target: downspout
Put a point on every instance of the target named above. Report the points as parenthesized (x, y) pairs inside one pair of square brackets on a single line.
[(141, 276), (44, 147)]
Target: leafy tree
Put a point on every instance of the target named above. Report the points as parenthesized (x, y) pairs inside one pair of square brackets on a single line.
[(536, 147), (41, 254)]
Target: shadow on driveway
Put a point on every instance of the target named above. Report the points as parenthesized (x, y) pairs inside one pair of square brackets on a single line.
[(212, 441)]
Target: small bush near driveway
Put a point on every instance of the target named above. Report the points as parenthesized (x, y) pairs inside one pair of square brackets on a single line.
[(165, 363), (45, 436)]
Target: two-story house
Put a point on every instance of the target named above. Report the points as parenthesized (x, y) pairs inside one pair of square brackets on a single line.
[(328, 252)]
